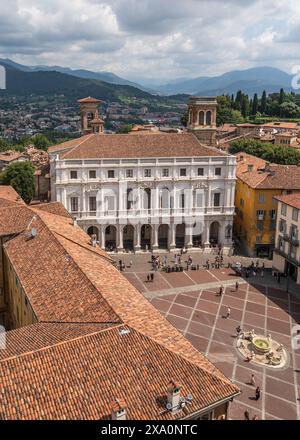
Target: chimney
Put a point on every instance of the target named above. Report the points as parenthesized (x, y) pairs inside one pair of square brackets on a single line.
[(250, 168), (118, 409), (173, 395)]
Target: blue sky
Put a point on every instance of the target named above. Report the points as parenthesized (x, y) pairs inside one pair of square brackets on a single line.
[(154, 39)]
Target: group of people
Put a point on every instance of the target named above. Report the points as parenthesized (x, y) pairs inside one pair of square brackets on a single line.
[(214, 264)]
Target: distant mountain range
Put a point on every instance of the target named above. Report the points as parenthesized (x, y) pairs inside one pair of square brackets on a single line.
[(250, 81), (23, 79)]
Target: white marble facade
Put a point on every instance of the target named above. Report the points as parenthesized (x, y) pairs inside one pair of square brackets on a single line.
[(149, 203)]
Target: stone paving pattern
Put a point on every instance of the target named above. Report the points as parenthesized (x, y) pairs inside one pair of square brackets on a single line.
[(190, 301)]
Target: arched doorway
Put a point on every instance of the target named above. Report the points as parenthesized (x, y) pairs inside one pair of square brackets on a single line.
[(180, 235), (197, 234), (146, 232), (92, 230), (128, 237), (208, 117), (110, 238), (214, 233), (163, 234), (201, 118)]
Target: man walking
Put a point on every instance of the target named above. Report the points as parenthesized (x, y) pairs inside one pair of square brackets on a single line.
[(252, 381), (152, 277), (236, 286), (228, 313), (247, 415), (257, 393)]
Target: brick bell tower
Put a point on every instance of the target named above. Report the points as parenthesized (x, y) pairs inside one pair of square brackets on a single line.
[(89, 114), (202, 118)]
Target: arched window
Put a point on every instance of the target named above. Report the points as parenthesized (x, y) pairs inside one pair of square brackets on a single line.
[(165, 198), (201, 118), (208, 117)]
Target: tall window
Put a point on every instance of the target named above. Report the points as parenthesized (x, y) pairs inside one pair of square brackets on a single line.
[(92, 204), (74, 204), (182, 172), (208, 118), (129, 174), (200, 171), (73, 174), (295, 214), (92, 174), (217, 199), (262, 198), (218, 171), (283, 209), (165, 172), (147, 172), (111, 174)]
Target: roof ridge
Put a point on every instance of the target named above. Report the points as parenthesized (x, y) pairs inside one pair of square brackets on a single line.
[(57, 344), (79, 244), (74, 262), (86, 138)]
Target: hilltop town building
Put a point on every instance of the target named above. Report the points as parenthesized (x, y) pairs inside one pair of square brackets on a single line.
[(286, 257), (147, 191), (257, 183), (83, 343)]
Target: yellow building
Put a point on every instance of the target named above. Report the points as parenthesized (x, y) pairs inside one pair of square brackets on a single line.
[(257, 183)]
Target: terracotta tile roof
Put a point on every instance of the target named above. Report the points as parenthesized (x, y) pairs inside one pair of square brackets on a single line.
[(54, 208), (79, 378), (44, 334), (140, 145), (64, 146), (9, 197), (56, 288), (10, 156), (69, 364), (14, 219), (290, 199), (266, 176), (89, 99)]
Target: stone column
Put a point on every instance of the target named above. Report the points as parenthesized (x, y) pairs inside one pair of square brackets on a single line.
[(188, 236), (120, 245), (155, 237), (206, 235), (137, 238), (172, 236), (102, 235)]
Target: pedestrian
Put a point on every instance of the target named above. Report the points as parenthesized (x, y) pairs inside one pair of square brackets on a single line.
[(238, 330), (247, 415), (228, 312), (221, 290), (252, 381), (263, 265), (148, 278), (236, 286), (257, 393), (152, 277), (130, 264)]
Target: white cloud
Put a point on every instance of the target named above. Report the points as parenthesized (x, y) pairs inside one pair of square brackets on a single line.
[(161, 39)]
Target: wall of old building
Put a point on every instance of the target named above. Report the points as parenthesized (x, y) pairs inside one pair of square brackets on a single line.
[(19, 310)]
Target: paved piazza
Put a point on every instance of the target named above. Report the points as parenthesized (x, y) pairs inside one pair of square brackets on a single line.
[(190, 301)]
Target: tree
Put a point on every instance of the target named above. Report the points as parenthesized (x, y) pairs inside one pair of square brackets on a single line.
[(20, 175), (125, 129), (281, 97), (289, 110), (41, 142), (245, 106), (272, 153), (263, 104), (184, 119), (255, 105)]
